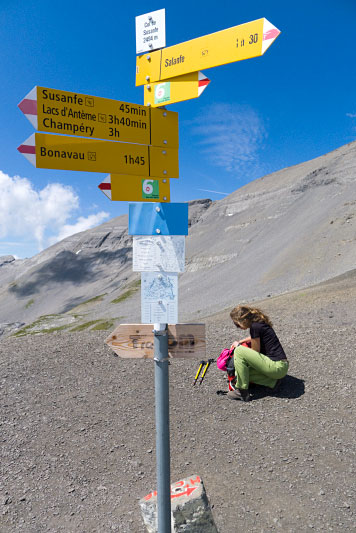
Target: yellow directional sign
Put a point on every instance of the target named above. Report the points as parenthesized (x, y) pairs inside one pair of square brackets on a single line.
[(227, 46), (135, 189), (68, 113), (175, 89), (88, 155)]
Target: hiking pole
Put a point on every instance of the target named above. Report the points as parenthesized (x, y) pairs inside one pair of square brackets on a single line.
[(205, 370), (199, 370)]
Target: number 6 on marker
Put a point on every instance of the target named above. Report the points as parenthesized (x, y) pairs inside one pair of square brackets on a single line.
[(147, 186), (159, 91)]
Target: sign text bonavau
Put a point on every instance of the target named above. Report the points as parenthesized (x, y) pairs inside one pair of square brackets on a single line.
[(136, 341), (92, 155)]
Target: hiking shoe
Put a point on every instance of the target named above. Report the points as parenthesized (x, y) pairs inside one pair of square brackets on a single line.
[(239, 394)]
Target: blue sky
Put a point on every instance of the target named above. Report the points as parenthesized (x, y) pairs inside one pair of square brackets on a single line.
[(296, 102)]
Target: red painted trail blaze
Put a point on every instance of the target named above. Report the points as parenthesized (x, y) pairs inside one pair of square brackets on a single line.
[(181, 485), (187, 492)]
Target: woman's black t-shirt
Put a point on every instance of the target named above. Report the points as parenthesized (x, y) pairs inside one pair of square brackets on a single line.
[(270, 344)]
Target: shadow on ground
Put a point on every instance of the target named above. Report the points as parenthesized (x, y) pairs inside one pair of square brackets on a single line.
[(291, 388)]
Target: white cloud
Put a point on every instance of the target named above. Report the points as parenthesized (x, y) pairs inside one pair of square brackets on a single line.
[(28, 214), (231, 135), (351, 115), (82, 224), (215, 192)]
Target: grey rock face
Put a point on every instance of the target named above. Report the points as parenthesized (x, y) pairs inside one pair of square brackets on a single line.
[(6, 259), (7, 329)]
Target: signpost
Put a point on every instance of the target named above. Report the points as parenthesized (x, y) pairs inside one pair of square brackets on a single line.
[(159, 304), (89, 155), (120, 187), (175, 89), (227, 46), (68, 113), (138, 145)]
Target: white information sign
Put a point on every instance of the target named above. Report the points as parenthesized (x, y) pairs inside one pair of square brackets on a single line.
[(159, 297), (151, 31), (158, 253)]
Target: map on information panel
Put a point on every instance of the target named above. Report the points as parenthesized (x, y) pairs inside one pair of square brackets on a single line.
[(158, 253), (159, 297)]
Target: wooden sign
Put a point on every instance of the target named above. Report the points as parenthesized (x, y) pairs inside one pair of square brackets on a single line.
[(136, 341)]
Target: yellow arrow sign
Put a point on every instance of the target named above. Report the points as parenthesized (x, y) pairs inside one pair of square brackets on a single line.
[(68, 113), (133, 189), (88, 155), (175, 89), (227, 46)]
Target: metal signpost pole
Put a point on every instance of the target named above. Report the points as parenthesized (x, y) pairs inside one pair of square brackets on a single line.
[(162, 428)]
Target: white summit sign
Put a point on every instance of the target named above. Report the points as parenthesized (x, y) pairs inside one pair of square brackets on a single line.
[(151, 31)]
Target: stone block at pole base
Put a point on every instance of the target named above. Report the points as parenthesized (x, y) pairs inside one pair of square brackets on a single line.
[(190, 508)]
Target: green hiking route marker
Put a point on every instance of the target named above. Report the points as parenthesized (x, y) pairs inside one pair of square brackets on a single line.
[(150, 189), (163, 92)]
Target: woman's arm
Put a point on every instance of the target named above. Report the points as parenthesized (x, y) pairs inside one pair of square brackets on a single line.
[(256, 344), (236, 343)]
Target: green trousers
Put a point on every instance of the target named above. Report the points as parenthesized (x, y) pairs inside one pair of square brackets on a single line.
[(257, 368)]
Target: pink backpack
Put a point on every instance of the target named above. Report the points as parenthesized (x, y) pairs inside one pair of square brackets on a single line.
[(225, 362), (225, 356)]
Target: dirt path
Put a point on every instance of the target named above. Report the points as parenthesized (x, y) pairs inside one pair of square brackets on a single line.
[(78, 431)]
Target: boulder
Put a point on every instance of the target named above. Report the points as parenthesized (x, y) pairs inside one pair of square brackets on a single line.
[(190, 508)]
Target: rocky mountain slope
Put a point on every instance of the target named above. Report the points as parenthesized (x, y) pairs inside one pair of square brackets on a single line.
[(284, 231)]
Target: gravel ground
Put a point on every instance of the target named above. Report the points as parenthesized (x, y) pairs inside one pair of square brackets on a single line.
[(78, 430)]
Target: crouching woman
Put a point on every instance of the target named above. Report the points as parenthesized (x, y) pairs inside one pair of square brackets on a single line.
[(265, 363)]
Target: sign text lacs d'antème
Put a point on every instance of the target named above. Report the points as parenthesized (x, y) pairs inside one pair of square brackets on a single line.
[(87, 130)]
